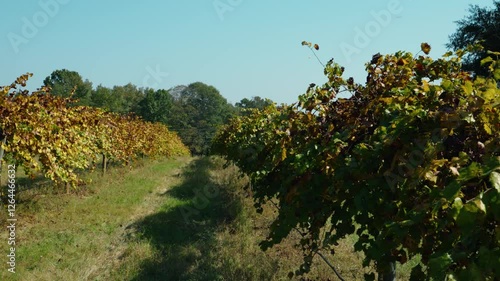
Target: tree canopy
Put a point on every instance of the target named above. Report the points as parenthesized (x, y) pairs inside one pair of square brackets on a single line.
[(63, 82), (481, 25), (255, 102), (198, 111), (155, 106)]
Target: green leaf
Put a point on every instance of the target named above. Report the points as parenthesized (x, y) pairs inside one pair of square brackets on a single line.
[(472, 171), (468, 87), (471, 272), (471, 215), (456, 207), (486, 60), (438, 266), (495, 180), (448, 54), (489, 258), (490, 94), (496, 74), (451, 190), (446, 84)]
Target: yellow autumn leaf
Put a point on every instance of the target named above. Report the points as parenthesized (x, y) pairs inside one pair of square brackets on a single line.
[(425, 86)]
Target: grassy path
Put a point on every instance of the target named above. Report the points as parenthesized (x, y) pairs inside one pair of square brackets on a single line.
[(184, 219), (82, 237)]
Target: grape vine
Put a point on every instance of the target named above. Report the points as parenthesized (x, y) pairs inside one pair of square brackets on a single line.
[(410, 162), (43, 133)]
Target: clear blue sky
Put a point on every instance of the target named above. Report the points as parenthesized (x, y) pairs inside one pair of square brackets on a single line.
[(242, 47)]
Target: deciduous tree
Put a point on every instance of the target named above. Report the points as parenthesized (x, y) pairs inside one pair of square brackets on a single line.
[(63, 82), (481, 25)]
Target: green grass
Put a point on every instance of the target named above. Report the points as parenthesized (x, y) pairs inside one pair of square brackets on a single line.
[(184, 219), (73, 236), (219, 238)]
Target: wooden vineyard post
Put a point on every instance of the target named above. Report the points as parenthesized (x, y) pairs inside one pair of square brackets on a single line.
[(104, 164)]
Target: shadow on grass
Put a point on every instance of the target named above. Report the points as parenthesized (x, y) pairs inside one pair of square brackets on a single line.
[(29, 187), (183, 233)]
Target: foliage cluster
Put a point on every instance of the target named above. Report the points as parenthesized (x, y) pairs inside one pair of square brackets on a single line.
[(41, 132), (410, 163)]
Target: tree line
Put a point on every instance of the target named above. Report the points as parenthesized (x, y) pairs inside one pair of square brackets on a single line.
[(194, 111)]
